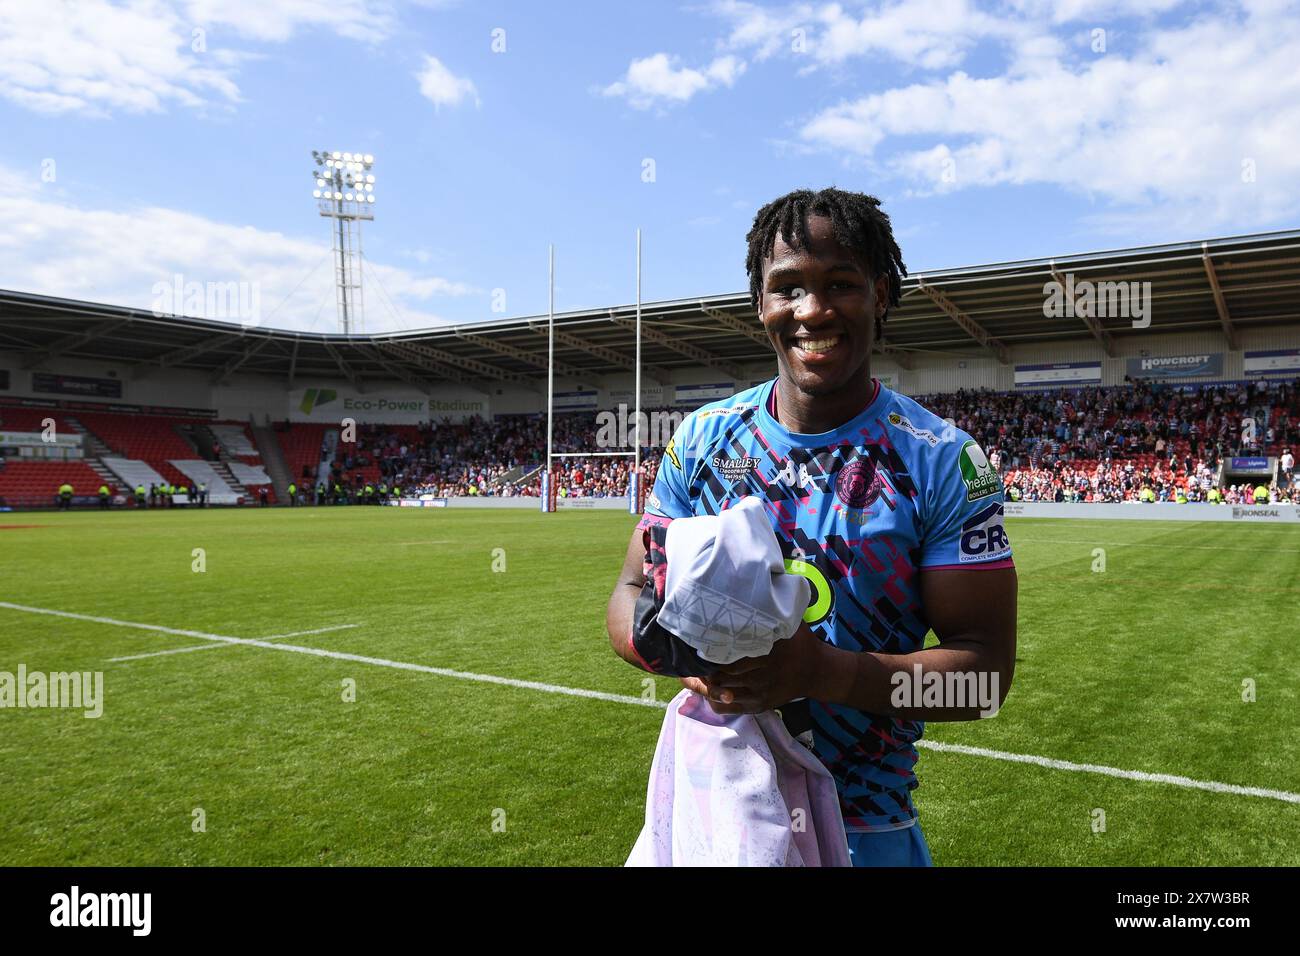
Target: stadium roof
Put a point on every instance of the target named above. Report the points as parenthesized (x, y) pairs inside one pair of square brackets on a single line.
[(1227, 285)]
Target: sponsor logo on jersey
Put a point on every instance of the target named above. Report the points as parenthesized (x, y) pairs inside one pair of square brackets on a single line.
[(898, 421), (654, 500), (794, 478), (983, 538), (671, 452), (858, 484), (821, 596), (980, 478), (729, 410), (734, 468)]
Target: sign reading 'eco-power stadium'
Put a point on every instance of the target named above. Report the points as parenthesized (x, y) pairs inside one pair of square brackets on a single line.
[(395, 406)]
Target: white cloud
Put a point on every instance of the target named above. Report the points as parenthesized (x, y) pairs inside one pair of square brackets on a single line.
[(442, 87), (929, 34), (144, 56), (55, 247), (659, 78), (1172, 123), (279, 20), (1066, 11)]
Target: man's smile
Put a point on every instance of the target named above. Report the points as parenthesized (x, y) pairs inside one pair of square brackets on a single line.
[(817, 348)]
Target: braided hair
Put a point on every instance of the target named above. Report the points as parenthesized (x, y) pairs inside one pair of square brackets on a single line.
[(858, 224)]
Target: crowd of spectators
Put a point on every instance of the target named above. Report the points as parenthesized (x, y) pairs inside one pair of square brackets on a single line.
[(1141, 441), (501, 456), (1135, 442)]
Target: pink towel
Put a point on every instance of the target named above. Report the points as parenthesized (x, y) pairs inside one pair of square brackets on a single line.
[(736, 790)]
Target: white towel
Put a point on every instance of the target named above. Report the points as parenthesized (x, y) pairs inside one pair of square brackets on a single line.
[(736, 790), (726, 592)]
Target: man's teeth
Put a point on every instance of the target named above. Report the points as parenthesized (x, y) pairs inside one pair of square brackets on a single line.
[(817, 345)]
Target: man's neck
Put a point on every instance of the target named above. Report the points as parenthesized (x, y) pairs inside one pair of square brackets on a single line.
[(806, 414)]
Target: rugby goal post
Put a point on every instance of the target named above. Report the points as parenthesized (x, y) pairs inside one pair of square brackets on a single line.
[(550, 478)]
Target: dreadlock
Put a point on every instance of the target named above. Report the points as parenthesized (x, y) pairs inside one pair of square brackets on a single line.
[(858, 224)]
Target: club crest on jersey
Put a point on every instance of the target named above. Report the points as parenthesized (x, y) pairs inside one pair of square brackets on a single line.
[(858, 485), (733, 468), (898, 421)]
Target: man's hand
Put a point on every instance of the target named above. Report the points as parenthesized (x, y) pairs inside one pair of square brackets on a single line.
[(793, 668)]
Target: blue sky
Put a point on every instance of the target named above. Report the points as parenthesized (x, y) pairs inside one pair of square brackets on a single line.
[(991, 131)]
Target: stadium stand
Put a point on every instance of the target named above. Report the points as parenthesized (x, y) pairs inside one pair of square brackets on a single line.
[(150, 439), (1082, 444), (18, 419), (133, 472), (219, 492), (31, 484)]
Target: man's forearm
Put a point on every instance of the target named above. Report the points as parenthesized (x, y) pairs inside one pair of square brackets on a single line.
[(888, 684), (618, 624)]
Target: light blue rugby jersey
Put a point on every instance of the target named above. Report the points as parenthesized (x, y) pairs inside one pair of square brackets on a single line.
[(866, 505)]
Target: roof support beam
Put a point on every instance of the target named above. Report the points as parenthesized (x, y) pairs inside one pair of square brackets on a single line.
[(685, 348), (394, 370), (176, 356), (469, 364), (609, 355), (406, 355), (968, 325), (293, 363), (1225, 318), (522, 355), (903, 358), (346, 369), (70, 342), (1094, 326), (747, 329), (219, 377)]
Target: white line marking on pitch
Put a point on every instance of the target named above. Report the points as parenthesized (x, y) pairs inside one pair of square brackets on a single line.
[(1048, 762), (214, 646), (1170, 779), (341, 656)]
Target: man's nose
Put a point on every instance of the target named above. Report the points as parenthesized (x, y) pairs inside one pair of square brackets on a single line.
[(810, 307)]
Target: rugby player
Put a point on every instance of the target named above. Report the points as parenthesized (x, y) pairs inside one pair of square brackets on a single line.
[(894, 515)]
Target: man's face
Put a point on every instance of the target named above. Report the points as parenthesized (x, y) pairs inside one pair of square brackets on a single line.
[(819, 307)]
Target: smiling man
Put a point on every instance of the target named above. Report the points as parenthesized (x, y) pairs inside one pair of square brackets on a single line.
[(893, 515)]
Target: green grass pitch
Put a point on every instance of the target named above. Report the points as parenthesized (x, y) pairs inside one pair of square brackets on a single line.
[(1139, 667)]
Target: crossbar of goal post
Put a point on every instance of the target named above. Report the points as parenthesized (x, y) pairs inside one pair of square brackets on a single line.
[(635, 490)]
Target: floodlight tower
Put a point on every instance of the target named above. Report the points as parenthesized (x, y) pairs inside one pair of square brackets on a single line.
[(345, 190)]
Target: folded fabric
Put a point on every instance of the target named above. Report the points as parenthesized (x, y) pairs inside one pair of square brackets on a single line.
[(726, 593), (736, 790)]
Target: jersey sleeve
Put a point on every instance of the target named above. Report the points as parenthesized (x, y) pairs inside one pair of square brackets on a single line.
[(669, 497), (964, 525)]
